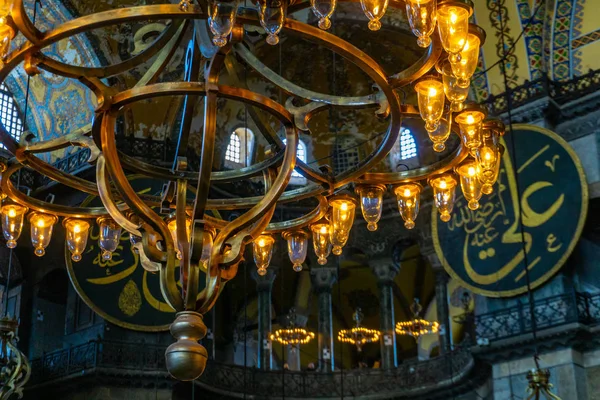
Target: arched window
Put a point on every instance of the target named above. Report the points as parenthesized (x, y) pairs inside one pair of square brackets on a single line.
[(239, 149), (9, 114), (346, 154), (297, 178), (405, 148)]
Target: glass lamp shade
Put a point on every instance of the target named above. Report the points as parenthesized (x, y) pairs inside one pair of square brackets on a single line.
[(374, 10), (263, 250), (6, 34), (422, 18), (430, 94), (323, 9), (470, 183), (297, 242), (110, 235), (271, 19), (408, 197), (77, 232), (455, 93), (441, 134), (471, 125), (342, 218), (321, 234), (489, 158), (453, 25), (371, 204), (41, 231), (469, 57), (12, 223), (444, 195), (172, 225), (221, 19)]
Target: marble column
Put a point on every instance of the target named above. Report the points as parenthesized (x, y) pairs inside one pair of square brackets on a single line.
[(443, 311), (385, 271), (264, 284), (323, 279)]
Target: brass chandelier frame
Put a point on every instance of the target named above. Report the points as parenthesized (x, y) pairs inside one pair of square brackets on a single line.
[(134, 212)]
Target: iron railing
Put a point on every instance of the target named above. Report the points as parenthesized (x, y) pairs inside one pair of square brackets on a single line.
[(550, 312), (409, 377)]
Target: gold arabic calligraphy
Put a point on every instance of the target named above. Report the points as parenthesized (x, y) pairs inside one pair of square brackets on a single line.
[(482, 233)]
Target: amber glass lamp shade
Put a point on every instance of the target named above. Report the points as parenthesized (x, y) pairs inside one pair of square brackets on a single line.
[(374, 10), (488, 159), (408, 197), (453, 25), (430, 94), (263, 251), (297, 242), (110, 235), (371, 204), (471, 126), (455, 93), (342, 219), (441, 134), (421, 17), (221, 19), (6, 34), (172, 225), (41, 231), (444, 195), (321, 234), (272, 19), (469, 57), (12, 223), (323, 9), (470, 183), (77, 232)]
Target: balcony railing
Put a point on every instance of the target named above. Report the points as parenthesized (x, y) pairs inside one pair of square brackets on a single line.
[(550, 312), (406, 380)]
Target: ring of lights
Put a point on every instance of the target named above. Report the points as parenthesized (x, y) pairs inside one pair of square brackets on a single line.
[(213, 243)]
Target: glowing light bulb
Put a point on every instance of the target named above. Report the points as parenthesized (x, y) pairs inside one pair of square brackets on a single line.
[(321, 241), (12, 213), (470, 119), (408, 197), (77, 228), (263, 251), (41, 231), (342, 218), (453, 17), (324, 229), (77, 236), (443, 184), (432, 91), (470, 183)]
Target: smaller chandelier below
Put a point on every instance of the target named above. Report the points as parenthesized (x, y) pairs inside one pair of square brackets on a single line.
[(358, 335), (417, 326), (292, 335)]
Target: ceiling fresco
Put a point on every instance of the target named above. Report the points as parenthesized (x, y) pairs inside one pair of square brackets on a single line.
[(558, 42)]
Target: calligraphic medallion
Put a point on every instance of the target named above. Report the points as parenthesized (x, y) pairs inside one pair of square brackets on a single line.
[(483, 248), (120, 290)]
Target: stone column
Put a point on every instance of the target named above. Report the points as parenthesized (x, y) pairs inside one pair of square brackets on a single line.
[(264, 285), (385, 271), (323, 279), (443, 312)]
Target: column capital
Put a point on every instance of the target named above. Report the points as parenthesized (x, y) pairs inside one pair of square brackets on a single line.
[(264, 282), (323, 278), (385, 270)]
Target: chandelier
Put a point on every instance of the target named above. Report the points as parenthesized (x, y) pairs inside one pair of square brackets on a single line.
[(179, 230), (417, 326), (358, 335), (292, 335), (539, 383), (14, 366)]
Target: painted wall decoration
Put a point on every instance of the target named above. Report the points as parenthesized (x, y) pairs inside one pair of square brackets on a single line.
[(121, 290), (483, 249)]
